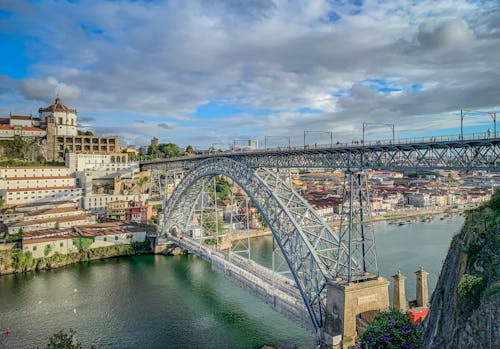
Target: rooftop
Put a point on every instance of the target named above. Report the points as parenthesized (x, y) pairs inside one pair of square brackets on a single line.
[(57, 107)]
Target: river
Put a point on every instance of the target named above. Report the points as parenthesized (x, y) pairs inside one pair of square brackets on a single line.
[(179, 302)]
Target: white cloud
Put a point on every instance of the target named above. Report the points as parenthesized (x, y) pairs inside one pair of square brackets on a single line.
[(162, 60)]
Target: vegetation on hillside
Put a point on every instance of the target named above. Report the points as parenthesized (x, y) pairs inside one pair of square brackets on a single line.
[(16, 260), (15, 148), (481, 233), (16, 162)]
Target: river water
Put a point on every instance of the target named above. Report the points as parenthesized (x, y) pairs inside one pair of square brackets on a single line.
[(179, 302)]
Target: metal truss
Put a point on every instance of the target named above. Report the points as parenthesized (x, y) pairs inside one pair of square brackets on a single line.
[(356, 230), (474, 154), (157, 183), (311, 249)]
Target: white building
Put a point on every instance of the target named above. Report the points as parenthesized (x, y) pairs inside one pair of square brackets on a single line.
[(20, 185), (96, 161), (64, 117), (47, 242), (97, 203)]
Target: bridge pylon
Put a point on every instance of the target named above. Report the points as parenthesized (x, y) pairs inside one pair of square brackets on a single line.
[(357, 257), (357, 293)]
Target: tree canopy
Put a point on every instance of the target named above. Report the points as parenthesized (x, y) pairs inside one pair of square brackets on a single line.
[(167, 150)]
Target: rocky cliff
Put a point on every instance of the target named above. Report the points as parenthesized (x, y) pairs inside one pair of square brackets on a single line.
[(465, 306), (32, 149)]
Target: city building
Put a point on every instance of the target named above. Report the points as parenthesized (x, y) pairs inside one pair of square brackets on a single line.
[(136, 212), (115, 210), (96, 161), (97, 203), (37, 184), (47, 242), (58, 125)]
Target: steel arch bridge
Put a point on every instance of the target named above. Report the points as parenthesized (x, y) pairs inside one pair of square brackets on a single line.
[(310, 248)]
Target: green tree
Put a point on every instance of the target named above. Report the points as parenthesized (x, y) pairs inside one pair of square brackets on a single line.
[(212, 222), (47, 250), (189, 150), (63, 340), (82, 243), (392, 330), (222, 188), (169, 150), (84, 133)]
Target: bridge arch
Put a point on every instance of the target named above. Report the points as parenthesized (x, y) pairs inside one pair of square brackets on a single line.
[(309, 246)]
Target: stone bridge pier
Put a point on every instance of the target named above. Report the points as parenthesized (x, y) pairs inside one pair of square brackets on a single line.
[(351, 305)]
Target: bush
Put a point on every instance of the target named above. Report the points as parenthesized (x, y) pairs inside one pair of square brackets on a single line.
[(469, 291), (47, 250), (82, 243), (14, 237), (391, 329), (63, 340)]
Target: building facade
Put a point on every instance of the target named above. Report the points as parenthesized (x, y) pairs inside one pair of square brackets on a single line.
[(20, 185), (97, 203), (58, 124), (96, 161)]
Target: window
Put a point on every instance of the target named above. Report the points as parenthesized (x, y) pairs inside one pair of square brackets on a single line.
[(61, 244), (34, 248), (105, 239), (116, 237)]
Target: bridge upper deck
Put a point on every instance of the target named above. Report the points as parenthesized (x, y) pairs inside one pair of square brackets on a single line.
[(471, 152)]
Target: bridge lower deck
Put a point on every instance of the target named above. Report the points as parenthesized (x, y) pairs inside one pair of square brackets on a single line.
[(274, 289)]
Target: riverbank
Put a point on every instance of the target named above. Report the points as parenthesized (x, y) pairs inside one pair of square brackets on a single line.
[(410, 214), (16, 261)]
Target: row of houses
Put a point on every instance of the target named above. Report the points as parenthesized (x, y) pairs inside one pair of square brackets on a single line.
[(47, 242)]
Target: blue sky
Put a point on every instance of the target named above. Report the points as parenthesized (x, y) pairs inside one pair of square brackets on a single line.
[(198, 72)]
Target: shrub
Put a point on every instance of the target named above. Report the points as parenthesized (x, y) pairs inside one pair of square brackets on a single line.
[(391, 329), (47, 250), (82, 243), (63, 340), (469, 291)]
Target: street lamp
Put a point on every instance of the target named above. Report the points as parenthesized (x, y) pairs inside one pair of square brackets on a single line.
[(365, 124), (493, 116), (267, 137), (328, 132)]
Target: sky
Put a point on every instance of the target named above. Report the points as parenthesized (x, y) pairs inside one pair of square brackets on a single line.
[(207, 72)]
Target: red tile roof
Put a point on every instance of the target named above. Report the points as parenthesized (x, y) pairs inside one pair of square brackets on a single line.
[(32, 129), (41, 189), (50, 220), (57, 106), (20, 117), (52, 238), (32, 167), (36, 177)]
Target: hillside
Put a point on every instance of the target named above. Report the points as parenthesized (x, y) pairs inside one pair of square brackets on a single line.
[(465, 306)]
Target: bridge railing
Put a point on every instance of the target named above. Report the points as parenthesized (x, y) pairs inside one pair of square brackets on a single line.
[(355, 143)]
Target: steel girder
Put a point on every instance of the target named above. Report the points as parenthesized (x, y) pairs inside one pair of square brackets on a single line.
[(309, 246), (356, 230), (479, 154)]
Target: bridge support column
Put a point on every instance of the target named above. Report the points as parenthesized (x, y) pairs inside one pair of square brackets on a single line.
[(351, 306), (359, 260)]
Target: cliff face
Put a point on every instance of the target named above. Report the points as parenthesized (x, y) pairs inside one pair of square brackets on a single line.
[(34, 149), (465, 306)]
